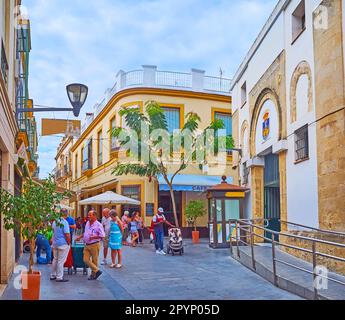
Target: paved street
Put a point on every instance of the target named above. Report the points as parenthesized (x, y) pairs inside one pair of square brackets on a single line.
[(202, 273)]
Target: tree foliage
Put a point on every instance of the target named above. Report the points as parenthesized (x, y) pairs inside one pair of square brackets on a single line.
[(32, 211), (194, 210), (155, 163)]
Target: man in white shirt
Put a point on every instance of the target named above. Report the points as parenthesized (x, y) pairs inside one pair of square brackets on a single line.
[(106, 219)]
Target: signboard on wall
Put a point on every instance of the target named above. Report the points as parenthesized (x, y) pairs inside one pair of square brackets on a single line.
[(150, 209), (60, 126)]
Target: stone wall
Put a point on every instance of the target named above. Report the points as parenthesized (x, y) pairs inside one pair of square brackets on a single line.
[(331, 264), (329, 89)]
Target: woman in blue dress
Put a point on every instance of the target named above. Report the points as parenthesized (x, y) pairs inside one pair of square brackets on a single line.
[(115, 239)]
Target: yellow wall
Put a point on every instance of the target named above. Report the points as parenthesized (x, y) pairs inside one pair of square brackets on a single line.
[(102, 174)]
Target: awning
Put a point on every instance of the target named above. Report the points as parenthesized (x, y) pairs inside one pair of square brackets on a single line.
[(190, 183), (108, 198)]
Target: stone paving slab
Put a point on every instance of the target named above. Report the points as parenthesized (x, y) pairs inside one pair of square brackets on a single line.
[(290, 277), (201, 274)]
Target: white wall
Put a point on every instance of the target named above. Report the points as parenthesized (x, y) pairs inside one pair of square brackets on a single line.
[(302, 188)]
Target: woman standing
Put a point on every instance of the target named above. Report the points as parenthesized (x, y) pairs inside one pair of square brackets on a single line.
[(133, 228), (115, 239), (141, 227)]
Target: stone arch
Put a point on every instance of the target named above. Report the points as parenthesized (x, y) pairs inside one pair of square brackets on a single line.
[(266, 94), (303, 68), (243, 143)]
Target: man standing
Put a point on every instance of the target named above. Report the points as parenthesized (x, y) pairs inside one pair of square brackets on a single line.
[(61, 247), (94, 234), (106, 220), (158, 222)]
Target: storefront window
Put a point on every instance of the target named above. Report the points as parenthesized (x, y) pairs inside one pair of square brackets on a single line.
[(132, 192)]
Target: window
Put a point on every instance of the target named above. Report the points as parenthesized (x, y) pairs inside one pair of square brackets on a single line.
[(298, 20), (132, 192), (301, 144), (100, 147), (244, 94), (172, 116), (227, 120), (4, 64), (76, 167), (87, 156)]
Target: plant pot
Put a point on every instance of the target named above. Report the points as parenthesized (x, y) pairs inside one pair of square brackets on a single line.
[(31, 285), (196, 237)]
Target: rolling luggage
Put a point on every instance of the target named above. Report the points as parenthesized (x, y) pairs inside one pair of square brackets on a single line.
[(78, 258), (69, 262)]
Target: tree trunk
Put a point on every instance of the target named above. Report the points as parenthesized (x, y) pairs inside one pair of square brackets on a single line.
[(32, 252), (174, 205)]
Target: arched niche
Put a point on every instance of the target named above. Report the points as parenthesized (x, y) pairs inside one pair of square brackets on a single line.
[(267, 101), (303, 68)]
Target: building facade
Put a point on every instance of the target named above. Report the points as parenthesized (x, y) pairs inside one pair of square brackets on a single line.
[(95, 153), (289, 117), (18, 138)]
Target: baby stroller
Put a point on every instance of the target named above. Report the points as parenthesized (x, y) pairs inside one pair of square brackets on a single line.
[(175, 244)]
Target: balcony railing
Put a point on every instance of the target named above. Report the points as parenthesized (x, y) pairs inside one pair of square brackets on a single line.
[(217, 84), (173, 79), (150, 77)]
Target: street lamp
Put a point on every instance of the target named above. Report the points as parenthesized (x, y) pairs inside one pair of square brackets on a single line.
[(77, 94)]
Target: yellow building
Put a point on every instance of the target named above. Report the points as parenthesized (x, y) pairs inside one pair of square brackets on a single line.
[(95, 153), (63, 170), (18, 136)]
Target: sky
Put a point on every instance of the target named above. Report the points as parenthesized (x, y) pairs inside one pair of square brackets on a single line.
[(89, 41)]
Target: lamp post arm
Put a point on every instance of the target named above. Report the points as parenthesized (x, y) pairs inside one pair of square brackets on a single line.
[(26, 110)]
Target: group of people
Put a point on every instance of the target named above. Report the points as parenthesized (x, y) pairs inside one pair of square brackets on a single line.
[(112, 231)]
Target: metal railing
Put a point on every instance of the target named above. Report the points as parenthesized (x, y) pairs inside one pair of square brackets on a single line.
[(134, 78), (246, 231), (173, 79), (217, 84)]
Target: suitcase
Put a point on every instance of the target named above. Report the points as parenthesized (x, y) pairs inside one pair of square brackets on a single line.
[(78, 258), (69, 262)]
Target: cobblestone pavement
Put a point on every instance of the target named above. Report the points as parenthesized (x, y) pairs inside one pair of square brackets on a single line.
[(202, 273)]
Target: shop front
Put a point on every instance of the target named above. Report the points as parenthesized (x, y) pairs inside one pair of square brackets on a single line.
[(186, 188)]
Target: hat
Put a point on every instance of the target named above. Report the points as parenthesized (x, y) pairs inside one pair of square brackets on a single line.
[(126, 213), (160, 210)]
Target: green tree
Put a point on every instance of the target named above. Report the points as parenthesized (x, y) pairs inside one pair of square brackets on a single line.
[(32, 211), (152, 153), (194, 210)]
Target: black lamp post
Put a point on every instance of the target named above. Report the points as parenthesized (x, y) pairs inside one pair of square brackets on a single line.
[(77, 94)]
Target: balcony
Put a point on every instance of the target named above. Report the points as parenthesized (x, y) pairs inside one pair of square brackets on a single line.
[(150, 77), (66, 170), (58, 174)]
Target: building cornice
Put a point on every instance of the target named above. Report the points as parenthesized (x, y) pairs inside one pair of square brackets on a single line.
[(147, 91)]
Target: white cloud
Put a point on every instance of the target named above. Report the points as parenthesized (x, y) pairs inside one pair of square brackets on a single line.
[(89, 41)]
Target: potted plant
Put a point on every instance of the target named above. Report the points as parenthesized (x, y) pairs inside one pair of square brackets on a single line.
[(194, 210), (29, 214)]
